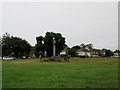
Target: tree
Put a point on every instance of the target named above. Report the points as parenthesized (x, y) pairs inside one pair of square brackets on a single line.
[(6, 44), (14, 46), (83, 46), (76, 47), (39, 40), (46, 43), (89, 46), (109, 53), (117, 51), (72, 52)]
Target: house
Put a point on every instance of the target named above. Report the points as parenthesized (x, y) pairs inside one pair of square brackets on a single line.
[(116, 53), (83, 53), (95, 52), (88, 53), (64, 52)]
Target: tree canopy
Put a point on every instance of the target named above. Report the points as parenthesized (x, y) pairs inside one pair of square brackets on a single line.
[(46, 43), (87, 46), (14, 46)]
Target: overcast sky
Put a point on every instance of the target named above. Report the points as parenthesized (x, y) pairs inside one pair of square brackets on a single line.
[(78, 22)]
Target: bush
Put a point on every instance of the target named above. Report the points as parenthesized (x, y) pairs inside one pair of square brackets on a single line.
[(55, 59)]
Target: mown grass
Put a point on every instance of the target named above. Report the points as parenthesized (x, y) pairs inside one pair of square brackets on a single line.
[(0, 74), (78, 73)]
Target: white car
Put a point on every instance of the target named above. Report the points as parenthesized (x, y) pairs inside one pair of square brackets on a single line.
[(8, 58)]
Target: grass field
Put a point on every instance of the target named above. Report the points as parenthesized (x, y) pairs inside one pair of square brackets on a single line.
[(78, 73), (0, 74)]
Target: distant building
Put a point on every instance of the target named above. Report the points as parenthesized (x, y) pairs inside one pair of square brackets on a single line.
[(88, 53), (116, 53), (92, 53), (83, 53), (64, 52), (95, 52)]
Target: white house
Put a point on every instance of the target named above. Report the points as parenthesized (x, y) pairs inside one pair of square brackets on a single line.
[(83, 53), (95, 52), (63, 53), (88, 53), (116, 54)]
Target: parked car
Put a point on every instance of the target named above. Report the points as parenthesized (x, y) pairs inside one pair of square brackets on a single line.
[(24, 57), (8, 58)]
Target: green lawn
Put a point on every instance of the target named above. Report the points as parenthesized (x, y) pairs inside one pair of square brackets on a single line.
[(0, 74), (78, 73)]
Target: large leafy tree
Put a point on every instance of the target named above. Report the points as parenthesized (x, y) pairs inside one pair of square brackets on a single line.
[(109, 53), (6, 44), (83, 46), (14, 46), (76, 47), (87, 46), (46, 43), (72, 51)]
